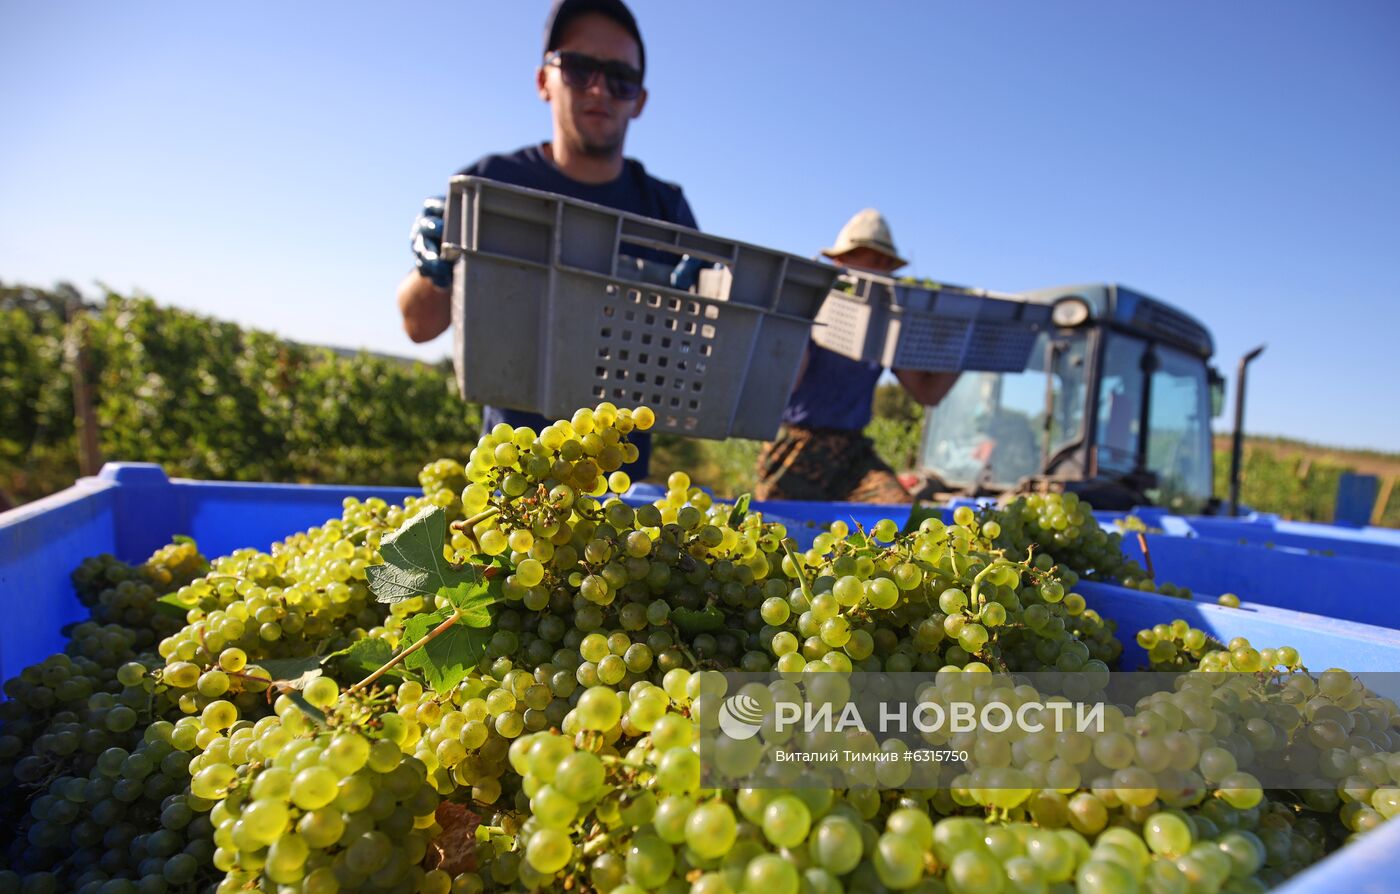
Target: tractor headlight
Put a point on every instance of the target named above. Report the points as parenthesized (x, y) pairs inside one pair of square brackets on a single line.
[(1070, 312)]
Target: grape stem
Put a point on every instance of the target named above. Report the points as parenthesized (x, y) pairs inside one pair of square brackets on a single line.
[(468, 524), (797, 567), (1146, 554), (398, 659), (977, 583)]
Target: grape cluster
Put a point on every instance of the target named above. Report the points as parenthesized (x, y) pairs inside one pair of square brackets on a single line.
[(118, 593), (324, 805), (222, 755)]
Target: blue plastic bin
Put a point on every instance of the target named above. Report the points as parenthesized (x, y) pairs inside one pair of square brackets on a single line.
[(1378, 544), (1322, 642), (1347, 587), (129, 510)]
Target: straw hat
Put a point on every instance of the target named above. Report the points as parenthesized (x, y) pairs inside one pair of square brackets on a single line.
[(868, 229)]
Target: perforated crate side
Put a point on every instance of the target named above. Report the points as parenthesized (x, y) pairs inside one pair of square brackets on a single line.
[(999, 346), (551, 314), (928, 342), (850, 328), (682, 355)]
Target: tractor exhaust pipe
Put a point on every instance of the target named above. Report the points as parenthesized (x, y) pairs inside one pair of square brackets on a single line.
[(1237, 442)]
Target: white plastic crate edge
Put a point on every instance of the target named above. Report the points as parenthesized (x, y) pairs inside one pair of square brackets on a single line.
[(553, 265)]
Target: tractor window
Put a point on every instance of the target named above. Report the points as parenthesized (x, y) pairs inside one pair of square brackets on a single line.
[(1120, 404), (990, 428), (1179, 447)]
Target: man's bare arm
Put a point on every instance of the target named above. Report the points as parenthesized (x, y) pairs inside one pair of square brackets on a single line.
[(426, 309), (928, 388)]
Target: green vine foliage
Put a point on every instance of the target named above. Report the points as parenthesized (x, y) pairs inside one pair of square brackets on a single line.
[(209, 399)]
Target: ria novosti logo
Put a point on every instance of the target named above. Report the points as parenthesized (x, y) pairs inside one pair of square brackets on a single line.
[(741, 716)]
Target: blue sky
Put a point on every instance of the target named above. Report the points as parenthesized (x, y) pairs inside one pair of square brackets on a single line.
[(262, 163)]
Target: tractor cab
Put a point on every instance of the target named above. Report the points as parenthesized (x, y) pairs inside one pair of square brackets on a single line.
[(1114, 404)]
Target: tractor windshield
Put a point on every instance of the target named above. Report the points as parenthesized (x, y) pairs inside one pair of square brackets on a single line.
[(990, 429)]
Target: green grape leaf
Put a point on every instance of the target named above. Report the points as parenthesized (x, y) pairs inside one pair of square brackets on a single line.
[(171, 607), (413, 561), (293, 672), (363, 657), (740, 510), (316, 714), (482, 589), (447, 659)]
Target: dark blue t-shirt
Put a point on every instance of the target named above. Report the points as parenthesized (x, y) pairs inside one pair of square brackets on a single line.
[(634, 191), (834, 392)]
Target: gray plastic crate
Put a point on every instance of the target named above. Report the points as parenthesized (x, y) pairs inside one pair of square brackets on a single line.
[(552, 311), (882, 320)]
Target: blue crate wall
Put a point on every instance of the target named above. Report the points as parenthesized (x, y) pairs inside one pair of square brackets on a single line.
[(129, 510), (1345, 587)]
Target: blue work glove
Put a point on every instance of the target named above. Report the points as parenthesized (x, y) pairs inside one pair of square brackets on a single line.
[(426, 239), (687, 272)]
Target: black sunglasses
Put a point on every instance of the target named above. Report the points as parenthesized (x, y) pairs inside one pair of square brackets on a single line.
[(578, 71)]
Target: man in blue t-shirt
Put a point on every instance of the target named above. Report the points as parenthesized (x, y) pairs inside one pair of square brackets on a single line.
[(821, 452), (591, 76)]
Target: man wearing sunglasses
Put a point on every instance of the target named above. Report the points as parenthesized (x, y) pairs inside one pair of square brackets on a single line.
[(591, 76)]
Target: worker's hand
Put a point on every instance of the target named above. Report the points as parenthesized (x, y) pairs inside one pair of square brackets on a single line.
[(426, 239), (687, 272)]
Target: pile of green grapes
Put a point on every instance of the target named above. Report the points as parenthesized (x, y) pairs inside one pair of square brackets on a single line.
[(1063, 530), (239, 751)]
